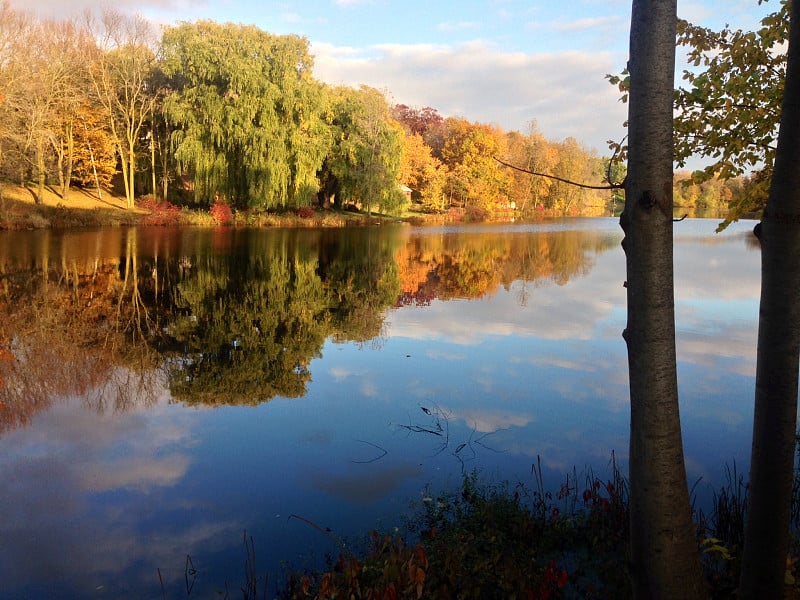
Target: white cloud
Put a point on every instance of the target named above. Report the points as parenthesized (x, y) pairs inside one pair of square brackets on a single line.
[(443, 355), (136, 473), (564, 92), (340, 373), (589, 23), (349, 3), (489, 420), (49, 9), (369, 389)]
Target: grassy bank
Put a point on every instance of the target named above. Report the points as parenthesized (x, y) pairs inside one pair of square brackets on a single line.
[(492, 541), (86, 208), (19, 210)]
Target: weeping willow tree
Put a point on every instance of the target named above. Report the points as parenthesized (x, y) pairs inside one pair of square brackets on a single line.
[(364, 161), (246, 113)]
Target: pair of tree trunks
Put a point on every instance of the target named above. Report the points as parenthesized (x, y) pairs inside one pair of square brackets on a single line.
[(664, 552)]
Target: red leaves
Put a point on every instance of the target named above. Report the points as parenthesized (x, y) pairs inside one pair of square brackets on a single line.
[(161, 212), (221, 211), (554, 580), (392, 570)]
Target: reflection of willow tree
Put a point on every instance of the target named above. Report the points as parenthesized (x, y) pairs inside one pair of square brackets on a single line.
[(462, 265), (250, 326), (59, 337), (250, 330), (361, 274)]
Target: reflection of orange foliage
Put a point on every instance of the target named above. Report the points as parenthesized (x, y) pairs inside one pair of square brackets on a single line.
[(467, 266), (6, 356), (439, 271), (66, 337), (414, 271)]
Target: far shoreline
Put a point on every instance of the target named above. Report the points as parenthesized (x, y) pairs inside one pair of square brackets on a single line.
[(86, 208)]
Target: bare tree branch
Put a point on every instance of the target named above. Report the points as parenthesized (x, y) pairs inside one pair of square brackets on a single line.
[(567, 181)]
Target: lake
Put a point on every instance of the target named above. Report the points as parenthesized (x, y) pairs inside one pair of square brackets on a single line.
[(165, 390)]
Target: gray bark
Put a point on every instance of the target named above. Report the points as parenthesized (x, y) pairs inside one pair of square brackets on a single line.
[(774, 425), (664, 555)]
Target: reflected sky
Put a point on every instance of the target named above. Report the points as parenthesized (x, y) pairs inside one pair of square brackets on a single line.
[(97, 501)]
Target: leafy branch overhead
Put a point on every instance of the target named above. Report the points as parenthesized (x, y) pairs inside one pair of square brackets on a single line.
[(728, 108)]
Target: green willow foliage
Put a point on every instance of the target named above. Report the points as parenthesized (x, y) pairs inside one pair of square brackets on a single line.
[(253, 331), (247, 114), (365, 157)]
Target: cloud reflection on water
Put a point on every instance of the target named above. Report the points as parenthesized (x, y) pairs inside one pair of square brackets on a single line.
[(542, 368)]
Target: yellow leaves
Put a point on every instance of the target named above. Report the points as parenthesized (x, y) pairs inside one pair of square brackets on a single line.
[(729, 111), (789, 578), (713, 547)]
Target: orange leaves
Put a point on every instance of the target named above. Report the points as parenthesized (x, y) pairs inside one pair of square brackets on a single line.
[(305, 585), (391, 571), (417, 565)]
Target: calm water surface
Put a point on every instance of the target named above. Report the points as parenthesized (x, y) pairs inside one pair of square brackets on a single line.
[(164, 391)]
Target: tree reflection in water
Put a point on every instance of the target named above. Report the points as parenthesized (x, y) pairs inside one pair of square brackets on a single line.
[(233, 317)]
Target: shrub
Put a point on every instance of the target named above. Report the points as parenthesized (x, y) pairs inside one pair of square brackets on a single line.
[(305, 212), (162, 212), (476, 214), (37, 220), (391, 569), (221, 211)]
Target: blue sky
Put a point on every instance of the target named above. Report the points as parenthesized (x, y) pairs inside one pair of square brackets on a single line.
[(508, 62)]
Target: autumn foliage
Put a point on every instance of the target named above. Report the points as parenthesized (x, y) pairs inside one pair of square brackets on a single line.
[(221, 211), (162, 212), (491, 542)]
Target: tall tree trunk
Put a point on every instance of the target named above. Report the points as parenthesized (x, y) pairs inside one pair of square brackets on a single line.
[(775, 421), (41, 176), (127, 175), (153, 164), (69, 160), (664, 556), (130, 192)]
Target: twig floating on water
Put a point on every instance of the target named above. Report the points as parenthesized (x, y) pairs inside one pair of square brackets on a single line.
[(362, 462), (324, 530)]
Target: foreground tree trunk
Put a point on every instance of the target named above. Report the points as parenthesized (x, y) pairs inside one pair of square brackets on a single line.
[(767, 530), (664, 555)]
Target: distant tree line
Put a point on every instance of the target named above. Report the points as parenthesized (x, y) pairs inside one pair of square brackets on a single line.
[(713, 194), (206, 112)]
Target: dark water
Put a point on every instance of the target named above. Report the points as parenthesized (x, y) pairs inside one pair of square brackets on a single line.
[(164, 391)]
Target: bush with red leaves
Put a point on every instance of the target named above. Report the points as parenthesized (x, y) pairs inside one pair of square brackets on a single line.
[(162, 212), (221, 211)]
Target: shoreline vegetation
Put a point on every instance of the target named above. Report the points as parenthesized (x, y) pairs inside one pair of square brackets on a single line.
[(86, 208), (489, 540)]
